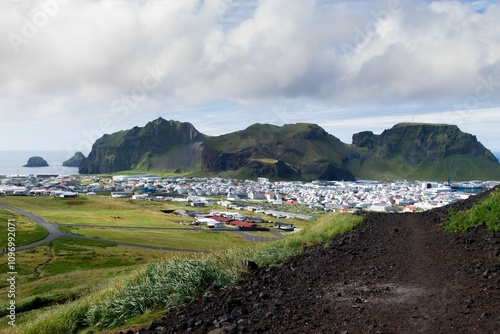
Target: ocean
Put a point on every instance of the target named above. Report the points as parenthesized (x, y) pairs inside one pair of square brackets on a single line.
[(11, 163)]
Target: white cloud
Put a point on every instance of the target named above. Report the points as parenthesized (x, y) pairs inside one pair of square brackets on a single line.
[(269, 59)]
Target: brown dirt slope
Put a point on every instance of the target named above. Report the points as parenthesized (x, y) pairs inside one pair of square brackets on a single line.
[(397, 273)]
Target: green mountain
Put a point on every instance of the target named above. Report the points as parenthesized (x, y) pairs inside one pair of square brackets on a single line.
[(159, 145), (293, 151), (297, 152), (422, 151), (75, 160)]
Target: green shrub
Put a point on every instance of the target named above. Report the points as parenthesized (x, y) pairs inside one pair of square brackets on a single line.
[(162, 285), (320, 232), (486, 212), (65, 318)]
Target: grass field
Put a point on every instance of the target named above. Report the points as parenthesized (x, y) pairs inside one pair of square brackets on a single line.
[(137, 294), (100, 210), (26, 230), (86, 275), (191, 239), (76, 267)]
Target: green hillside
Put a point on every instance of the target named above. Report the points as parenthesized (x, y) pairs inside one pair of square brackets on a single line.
[(419, 151), (159, 145), (299, 151), (75, 160), (302, 151)]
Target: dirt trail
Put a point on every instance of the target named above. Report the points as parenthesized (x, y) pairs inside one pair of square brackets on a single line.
[(51, 257), (397, 273)]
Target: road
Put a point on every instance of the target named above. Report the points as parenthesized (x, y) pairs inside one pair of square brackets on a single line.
[(54, 233), (52, 230)]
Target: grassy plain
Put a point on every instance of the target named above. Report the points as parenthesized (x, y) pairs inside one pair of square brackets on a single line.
[(199, 240), (72, 283), (74, 268), (141, 294), (27, 231), (69, 269), (100, 210)]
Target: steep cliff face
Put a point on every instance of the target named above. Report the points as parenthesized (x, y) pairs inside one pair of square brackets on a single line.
[(410, 149), (160, 144), (365, 139), (428, 142), (297, 151), (300, 151)]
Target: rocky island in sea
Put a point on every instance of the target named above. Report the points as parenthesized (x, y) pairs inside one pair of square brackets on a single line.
[(74, 161), (36, 161)]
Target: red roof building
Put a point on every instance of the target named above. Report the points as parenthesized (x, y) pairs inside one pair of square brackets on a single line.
[(240, 223), (221, 219)]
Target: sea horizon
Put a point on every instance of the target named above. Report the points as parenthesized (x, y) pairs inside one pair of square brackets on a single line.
[(12, 162)]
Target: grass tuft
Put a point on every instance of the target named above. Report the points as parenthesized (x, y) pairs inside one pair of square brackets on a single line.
[(64, 318), (162, 285), (486, 212)]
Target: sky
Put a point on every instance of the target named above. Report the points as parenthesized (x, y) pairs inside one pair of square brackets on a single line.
[(73, 70)]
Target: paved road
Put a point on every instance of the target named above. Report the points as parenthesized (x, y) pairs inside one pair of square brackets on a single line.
[(55, 233)]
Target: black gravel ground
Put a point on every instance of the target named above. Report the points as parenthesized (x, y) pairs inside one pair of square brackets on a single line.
[(396, 273)]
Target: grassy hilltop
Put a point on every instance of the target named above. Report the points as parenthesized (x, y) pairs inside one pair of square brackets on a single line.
[(161, 144), (296, 152), (293, 151), (423, 151)]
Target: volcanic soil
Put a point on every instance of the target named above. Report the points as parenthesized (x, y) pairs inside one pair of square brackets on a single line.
[(396, 273)]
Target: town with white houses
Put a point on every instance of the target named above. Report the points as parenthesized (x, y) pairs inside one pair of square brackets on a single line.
[(333, 196)]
